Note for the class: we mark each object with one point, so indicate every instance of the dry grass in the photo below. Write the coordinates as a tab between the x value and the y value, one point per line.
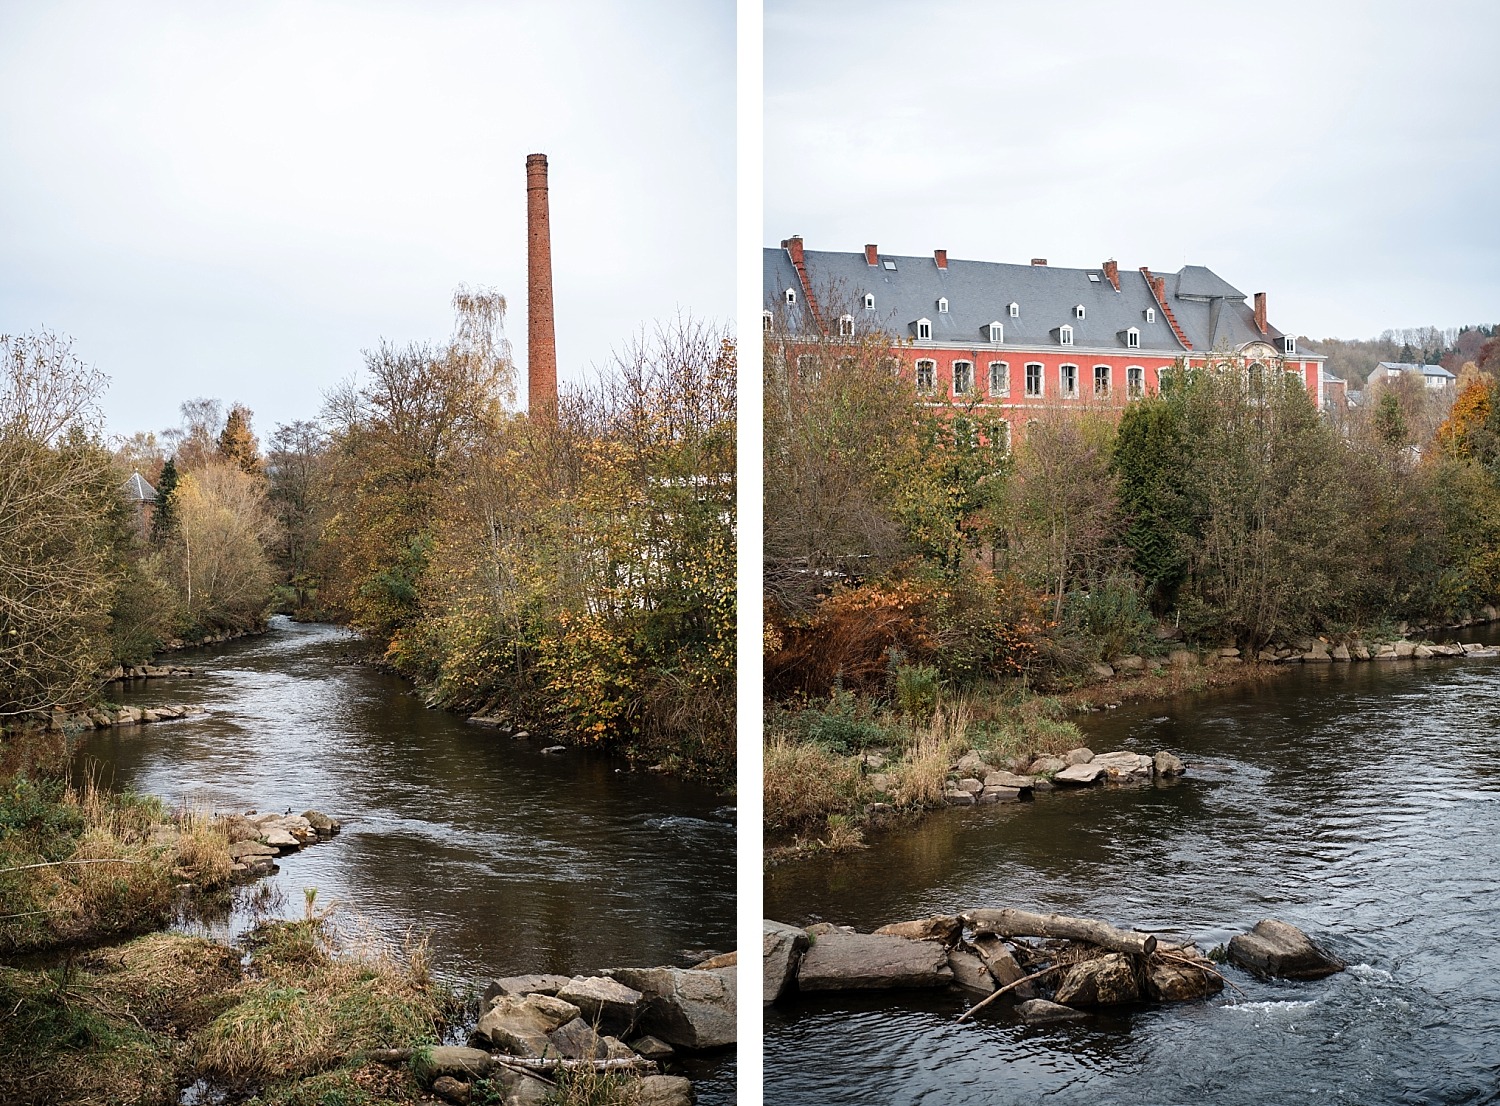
804	784
923	771
308	1006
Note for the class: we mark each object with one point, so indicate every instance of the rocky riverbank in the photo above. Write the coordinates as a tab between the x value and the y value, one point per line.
1049	967
631	1023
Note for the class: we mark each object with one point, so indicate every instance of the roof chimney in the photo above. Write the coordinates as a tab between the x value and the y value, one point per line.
1159	286
941	257
541	337
1112	271
1260	312
871	255
793	246
1039	261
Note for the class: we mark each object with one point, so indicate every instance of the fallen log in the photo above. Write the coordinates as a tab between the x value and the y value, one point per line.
1023	923
531	1063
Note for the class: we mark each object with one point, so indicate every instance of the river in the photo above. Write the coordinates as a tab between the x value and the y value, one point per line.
508	860
1359	802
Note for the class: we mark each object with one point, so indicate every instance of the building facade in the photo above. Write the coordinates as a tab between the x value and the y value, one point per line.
1018	339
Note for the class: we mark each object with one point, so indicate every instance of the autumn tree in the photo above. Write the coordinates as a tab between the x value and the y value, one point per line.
395	440
56	484
218	554
237	444
295	465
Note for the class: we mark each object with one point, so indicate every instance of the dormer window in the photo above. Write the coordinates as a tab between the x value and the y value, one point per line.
791	296
1151	314
846	326
1065	335
869	301
1133	338
924	330
1015	310
765	321
1078	311
943	305
996	333
1288	344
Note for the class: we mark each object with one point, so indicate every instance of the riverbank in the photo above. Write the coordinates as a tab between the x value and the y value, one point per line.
295	1011
835	772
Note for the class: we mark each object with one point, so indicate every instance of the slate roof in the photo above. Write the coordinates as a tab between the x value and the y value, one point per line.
1393	367
1212	312
136	488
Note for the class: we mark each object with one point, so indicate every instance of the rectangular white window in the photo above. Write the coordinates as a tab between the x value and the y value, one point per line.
1033	380
924	330
846	326
1101	380
926	376
999	378
1133	338
1068	381
963	377
1065	336
1135	381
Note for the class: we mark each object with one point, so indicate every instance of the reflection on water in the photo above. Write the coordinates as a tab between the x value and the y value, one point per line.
1360	802
509	860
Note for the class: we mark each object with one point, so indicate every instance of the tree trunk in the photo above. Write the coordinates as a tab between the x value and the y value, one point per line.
1023	923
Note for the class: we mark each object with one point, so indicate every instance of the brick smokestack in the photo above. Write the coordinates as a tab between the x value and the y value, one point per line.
872	255
941	257
1112	272
541	336
793	247
1260	312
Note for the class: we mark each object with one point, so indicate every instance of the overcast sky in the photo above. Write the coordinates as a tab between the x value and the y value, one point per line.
1342	157
233	200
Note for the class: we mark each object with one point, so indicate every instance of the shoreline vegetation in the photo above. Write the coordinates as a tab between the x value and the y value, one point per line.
839	769
942	584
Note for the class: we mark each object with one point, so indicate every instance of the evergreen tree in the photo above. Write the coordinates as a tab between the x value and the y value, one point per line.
164	516
237	444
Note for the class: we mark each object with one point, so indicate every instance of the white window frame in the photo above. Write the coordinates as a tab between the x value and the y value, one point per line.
1151	314
1109	383
942	305
1065	335
1041	380
846	326
1015	310
891	365
1062	381
1135	381
765	322
1004	377
807	369
924	330
1288	344
1133	338
1002	430
968	365
790	296
1078	311
869	301
997	333
931	366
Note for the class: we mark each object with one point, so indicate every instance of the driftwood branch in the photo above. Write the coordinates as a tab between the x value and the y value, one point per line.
532	1065
1023	923
978	1006
61	863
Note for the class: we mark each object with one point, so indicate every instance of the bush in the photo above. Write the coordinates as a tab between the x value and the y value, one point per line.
1113	618
917	689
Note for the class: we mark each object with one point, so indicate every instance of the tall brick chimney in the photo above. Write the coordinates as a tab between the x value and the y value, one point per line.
1260	312
1112	272
793	247
941	257
872	254
541	336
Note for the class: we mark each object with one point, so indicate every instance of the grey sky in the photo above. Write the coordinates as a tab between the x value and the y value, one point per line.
1341	157
234	200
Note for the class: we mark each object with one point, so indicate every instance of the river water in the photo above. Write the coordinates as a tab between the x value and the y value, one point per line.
1359	802
507	859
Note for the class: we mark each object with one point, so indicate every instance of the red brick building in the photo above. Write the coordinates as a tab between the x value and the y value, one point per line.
1017	339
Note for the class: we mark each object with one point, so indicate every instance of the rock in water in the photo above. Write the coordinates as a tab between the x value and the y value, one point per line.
1274	948
782	948
1103	981
1038	1011
969	972
866	962
607	1003
1172	981
520	1026
686	1007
